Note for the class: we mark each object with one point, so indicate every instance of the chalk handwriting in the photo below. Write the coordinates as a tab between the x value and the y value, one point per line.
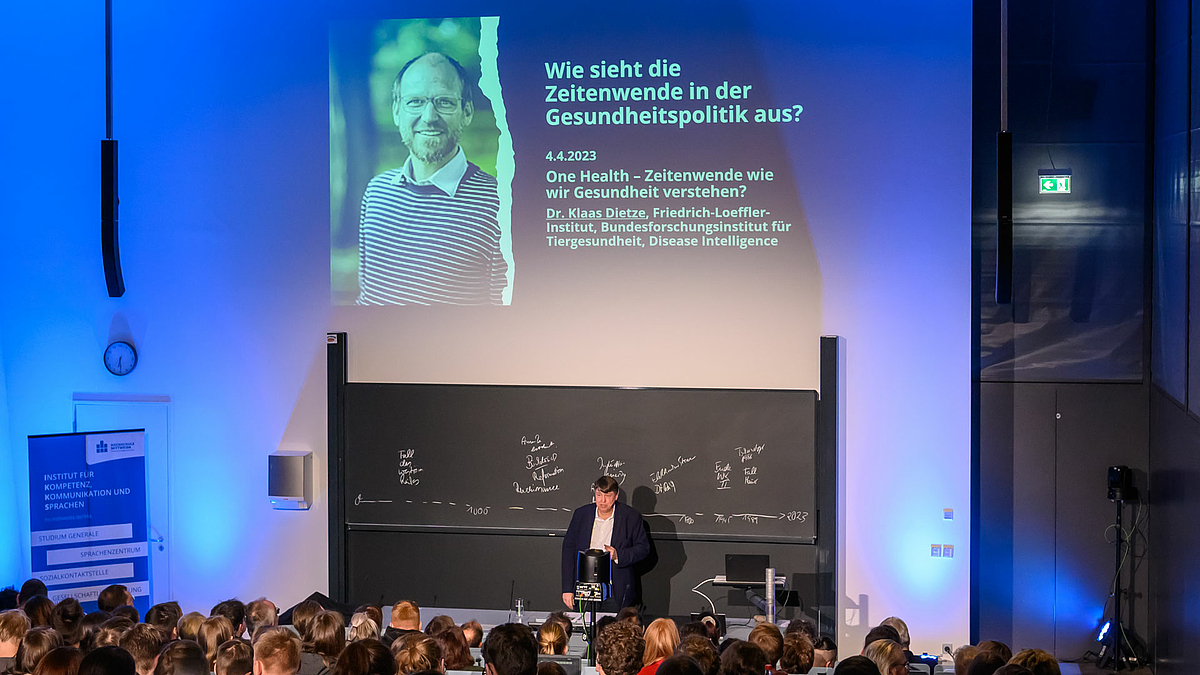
531	489
540	475
538	461
721	470
612	468
747	454
661	473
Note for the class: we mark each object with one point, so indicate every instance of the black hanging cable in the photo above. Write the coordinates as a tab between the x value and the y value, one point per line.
108	69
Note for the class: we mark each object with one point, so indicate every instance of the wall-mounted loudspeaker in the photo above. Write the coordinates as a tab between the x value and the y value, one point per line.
290	479
1120	484
109	246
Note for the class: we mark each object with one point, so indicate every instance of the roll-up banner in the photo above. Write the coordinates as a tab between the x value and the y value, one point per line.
87	514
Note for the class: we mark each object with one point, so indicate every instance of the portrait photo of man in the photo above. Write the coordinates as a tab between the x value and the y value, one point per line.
430	229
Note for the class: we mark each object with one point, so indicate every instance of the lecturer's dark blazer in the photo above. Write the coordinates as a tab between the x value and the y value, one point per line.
628	537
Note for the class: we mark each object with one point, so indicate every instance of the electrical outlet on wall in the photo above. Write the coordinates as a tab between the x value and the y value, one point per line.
947	648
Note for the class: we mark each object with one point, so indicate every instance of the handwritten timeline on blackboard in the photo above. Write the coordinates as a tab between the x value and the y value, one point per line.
695	462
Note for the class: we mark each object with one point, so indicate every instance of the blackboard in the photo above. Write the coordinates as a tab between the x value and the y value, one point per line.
698	463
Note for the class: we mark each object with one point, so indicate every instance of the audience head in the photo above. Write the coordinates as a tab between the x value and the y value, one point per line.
39	609
962	658
797	653
983	663
714	626
165	616
1038	661
10	598
262	612
889	656
108	660
113	597
415	653
234	657
693	628
30	589
143	642
562	620
631	615
455	652
182	657
302	615
372	611
189	625
438	624
703	651
824	652
856	665
67	619
550	668
129	612
679	665
90	625
235	611
1013	669
59	661
769	639
901	629
997	647
743	658
326	636
803	626
406	615
880	633
365	657
602	623
662	637
619	649
473	631
109	633
37	643
510	649
214	631
13	626
362	626
551	639
277	652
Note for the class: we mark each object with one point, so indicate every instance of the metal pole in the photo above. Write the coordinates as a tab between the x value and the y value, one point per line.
1116	629
770	594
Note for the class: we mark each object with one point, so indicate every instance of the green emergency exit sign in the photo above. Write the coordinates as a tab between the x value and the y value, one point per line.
1054	182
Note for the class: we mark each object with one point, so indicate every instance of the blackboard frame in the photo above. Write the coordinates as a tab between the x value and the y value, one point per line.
822	554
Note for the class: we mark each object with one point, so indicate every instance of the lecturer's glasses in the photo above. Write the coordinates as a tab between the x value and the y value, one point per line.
443	104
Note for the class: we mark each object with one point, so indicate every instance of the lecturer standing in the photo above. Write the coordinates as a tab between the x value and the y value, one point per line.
608	526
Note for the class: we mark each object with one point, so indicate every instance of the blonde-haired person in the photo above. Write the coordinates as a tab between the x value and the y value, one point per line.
552	639
888	656
189	625
362	626
13	626
662	638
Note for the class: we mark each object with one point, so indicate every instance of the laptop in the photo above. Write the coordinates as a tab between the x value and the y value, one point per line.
750	570
572	664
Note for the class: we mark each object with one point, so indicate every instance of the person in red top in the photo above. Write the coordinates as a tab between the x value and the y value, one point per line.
662	638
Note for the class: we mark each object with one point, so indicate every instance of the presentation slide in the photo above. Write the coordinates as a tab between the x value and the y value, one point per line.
525	161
